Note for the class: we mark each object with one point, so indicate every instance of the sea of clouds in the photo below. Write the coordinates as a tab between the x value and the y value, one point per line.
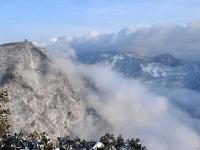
181	41
159	116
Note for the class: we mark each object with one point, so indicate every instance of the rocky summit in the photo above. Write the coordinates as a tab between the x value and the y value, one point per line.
43	99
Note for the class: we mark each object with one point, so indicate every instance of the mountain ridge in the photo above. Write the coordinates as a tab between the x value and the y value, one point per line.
162	69
43	97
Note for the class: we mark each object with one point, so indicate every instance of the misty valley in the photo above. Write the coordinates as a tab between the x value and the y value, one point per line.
61	96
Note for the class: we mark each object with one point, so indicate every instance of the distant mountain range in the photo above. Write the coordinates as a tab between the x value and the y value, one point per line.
164	69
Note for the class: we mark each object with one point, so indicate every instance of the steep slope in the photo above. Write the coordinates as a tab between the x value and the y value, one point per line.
43	98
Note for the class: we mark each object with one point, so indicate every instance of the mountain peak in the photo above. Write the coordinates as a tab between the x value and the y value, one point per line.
167	59
37	90
24	56
22	47
22	43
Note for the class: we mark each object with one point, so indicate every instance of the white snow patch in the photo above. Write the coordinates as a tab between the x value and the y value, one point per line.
154	70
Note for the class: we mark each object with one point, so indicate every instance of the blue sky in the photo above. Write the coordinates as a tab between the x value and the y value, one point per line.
42	19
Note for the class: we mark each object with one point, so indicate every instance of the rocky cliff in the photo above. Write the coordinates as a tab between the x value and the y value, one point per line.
43	99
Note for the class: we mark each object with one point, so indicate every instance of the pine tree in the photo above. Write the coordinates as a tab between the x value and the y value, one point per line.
5	125
120	144
40	141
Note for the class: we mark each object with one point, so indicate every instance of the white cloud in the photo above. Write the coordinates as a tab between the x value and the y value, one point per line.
182	41
39	44
53	40
127	107
93	34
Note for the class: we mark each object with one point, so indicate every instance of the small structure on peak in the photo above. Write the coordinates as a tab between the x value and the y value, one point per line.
25	40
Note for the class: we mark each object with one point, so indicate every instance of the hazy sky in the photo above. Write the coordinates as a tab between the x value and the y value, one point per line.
42	19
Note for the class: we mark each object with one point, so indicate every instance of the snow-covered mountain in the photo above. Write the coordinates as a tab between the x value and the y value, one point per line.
164	69
87	100
43	98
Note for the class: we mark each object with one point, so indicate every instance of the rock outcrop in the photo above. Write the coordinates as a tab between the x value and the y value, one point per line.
43	98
